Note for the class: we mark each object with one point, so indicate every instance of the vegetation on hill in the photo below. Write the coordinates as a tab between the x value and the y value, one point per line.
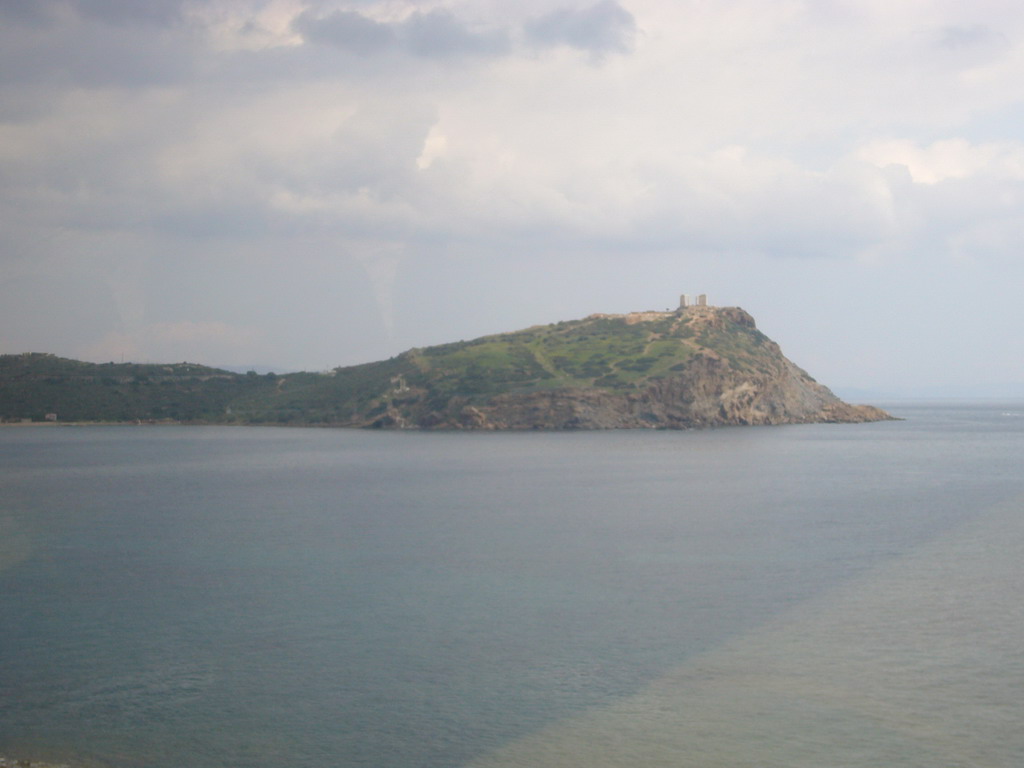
33	385
604	370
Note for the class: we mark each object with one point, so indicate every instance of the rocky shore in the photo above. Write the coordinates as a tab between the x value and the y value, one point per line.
6	762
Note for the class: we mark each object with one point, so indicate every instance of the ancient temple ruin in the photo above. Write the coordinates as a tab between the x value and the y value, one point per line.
686	300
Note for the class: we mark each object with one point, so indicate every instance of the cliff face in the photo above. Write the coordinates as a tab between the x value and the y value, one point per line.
707	394
730	375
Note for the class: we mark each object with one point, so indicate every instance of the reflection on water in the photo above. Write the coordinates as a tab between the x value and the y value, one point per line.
918	663
240	598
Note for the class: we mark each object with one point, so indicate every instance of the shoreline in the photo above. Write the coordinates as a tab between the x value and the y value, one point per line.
31	424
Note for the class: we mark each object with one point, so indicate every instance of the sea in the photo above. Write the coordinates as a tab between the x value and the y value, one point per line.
812	596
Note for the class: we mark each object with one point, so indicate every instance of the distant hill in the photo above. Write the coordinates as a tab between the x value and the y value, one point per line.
699	366
33	385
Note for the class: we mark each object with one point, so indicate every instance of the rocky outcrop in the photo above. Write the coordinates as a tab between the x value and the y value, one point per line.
708	393
697	367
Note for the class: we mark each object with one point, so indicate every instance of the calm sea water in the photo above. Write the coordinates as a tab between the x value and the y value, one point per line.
764	597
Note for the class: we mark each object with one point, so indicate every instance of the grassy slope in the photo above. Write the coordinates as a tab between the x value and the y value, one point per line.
603	352
606	352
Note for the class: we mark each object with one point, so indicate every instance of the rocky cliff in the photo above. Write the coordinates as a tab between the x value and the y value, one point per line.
699	367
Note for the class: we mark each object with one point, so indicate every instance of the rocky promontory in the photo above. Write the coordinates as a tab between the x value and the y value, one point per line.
699	366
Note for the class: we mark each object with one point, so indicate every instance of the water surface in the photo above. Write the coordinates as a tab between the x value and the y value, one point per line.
759	596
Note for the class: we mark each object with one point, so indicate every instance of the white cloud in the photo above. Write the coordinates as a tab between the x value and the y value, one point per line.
856	131
244	25
434	146
601	28
948	159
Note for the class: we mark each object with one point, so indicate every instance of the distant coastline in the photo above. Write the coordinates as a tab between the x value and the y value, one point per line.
695	367
6	762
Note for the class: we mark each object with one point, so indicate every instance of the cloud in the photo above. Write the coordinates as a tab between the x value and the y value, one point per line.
651	155
353	150
439	34
348	30
436	34
970	36
121	12
63	50
947	159
605	27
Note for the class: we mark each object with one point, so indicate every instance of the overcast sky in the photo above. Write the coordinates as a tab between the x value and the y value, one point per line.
302	184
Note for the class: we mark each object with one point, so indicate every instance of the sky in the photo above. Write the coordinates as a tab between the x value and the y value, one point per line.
303	184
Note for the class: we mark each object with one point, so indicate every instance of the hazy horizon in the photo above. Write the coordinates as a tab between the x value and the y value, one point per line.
302	184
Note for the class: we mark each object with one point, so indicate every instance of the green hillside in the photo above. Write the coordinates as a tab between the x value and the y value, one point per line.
616	362
33	385
614	353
